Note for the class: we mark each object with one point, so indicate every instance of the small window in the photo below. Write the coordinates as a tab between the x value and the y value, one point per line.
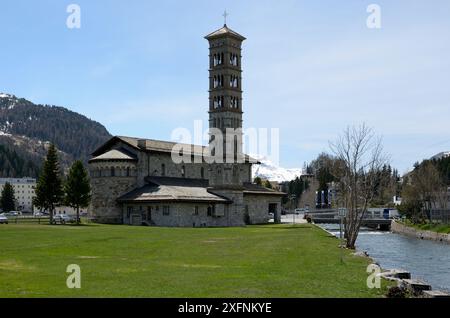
128	171
211	210
113	172
166	210
202	173
163	170
183	171
129	211
196	210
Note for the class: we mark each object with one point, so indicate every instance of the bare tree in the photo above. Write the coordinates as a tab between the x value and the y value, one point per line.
425	186
360	157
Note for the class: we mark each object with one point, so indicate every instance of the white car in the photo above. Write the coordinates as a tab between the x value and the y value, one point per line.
3	219
11	213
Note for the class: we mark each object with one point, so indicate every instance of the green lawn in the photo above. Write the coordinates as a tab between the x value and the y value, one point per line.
125	261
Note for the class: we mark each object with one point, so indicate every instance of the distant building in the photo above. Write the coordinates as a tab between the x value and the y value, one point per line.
24	191
397	200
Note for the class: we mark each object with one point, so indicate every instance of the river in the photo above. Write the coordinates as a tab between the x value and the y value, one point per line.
426	260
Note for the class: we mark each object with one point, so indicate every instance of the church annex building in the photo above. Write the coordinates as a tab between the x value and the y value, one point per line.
135	181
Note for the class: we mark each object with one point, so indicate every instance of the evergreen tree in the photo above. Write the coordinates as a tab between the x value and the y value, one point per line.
7	200
258	181
49	190
77	188
267	184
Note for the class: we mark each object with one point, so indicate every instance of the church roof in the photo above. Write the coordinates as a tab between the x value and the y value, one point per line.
224	31
161	145
113	154
253	188
157	146
168	189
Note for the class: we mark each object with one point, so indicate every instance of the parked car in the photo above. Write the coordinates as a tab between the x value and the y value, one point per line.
63	219
3	219
37	214
11	213
271	215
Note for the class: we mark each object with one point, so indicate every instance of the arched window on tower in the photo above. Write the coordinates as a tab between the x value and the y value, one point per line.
183	171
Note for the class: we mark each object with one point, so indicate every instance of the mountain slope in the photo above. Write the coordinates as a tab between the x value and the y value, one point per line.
28	129
268	170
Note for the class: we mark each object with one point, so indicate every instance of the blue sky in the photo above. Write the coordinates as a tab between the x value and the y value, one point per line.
310	67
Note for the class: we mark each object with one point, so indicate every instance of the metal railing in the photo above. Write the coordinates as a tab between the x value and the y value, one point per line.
442	216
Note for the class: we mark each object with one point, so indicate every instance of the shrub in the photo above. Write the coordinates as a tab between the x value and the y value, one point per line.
397	292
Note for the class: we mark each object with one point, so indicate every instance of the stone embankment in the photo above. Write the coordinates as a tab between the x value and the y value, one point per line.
417	288
420	234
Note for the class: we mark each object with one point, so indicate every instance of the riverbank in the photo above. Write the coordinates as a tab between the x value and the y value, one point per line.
399	228
426	260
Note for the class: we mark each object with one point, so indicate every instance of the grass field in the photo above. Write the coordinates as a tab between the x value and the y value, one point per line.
125	261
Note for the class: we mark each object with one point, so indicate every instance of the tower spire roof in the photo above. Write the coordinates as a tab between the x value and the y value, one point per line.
224	31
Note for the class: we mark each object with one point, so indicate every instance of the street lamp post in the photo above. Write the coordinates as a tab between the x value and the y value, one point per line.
342	213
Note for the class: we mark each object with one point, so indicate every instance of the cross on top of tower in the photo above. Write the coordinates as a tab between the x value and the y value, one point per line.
225	15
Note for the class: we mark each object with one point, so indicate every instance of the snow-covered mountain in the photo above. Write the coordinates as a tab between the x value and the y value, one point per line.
441	155
268	170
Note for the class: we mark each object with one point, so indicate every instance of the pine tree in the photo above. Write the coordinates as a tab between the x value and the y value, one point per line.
267	184
49	190
77	188
7	200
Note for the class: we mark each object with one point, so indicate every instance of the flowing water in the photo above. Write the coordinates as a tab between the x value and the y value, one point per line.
426	260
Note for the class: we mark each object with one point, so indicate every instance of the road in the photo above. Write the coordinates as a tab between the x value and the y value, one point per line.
289	218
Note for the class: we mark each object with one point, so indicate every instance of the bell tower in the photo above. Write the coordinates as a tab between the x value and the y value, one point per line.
225	116
225	86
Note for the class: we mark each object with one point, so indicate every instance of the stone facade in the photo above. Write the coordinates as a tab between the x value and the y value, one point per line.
258	206
106	188
181	215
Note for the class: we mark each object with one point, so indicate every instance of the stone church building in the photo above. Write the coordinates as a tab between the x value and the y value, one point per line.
136	181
